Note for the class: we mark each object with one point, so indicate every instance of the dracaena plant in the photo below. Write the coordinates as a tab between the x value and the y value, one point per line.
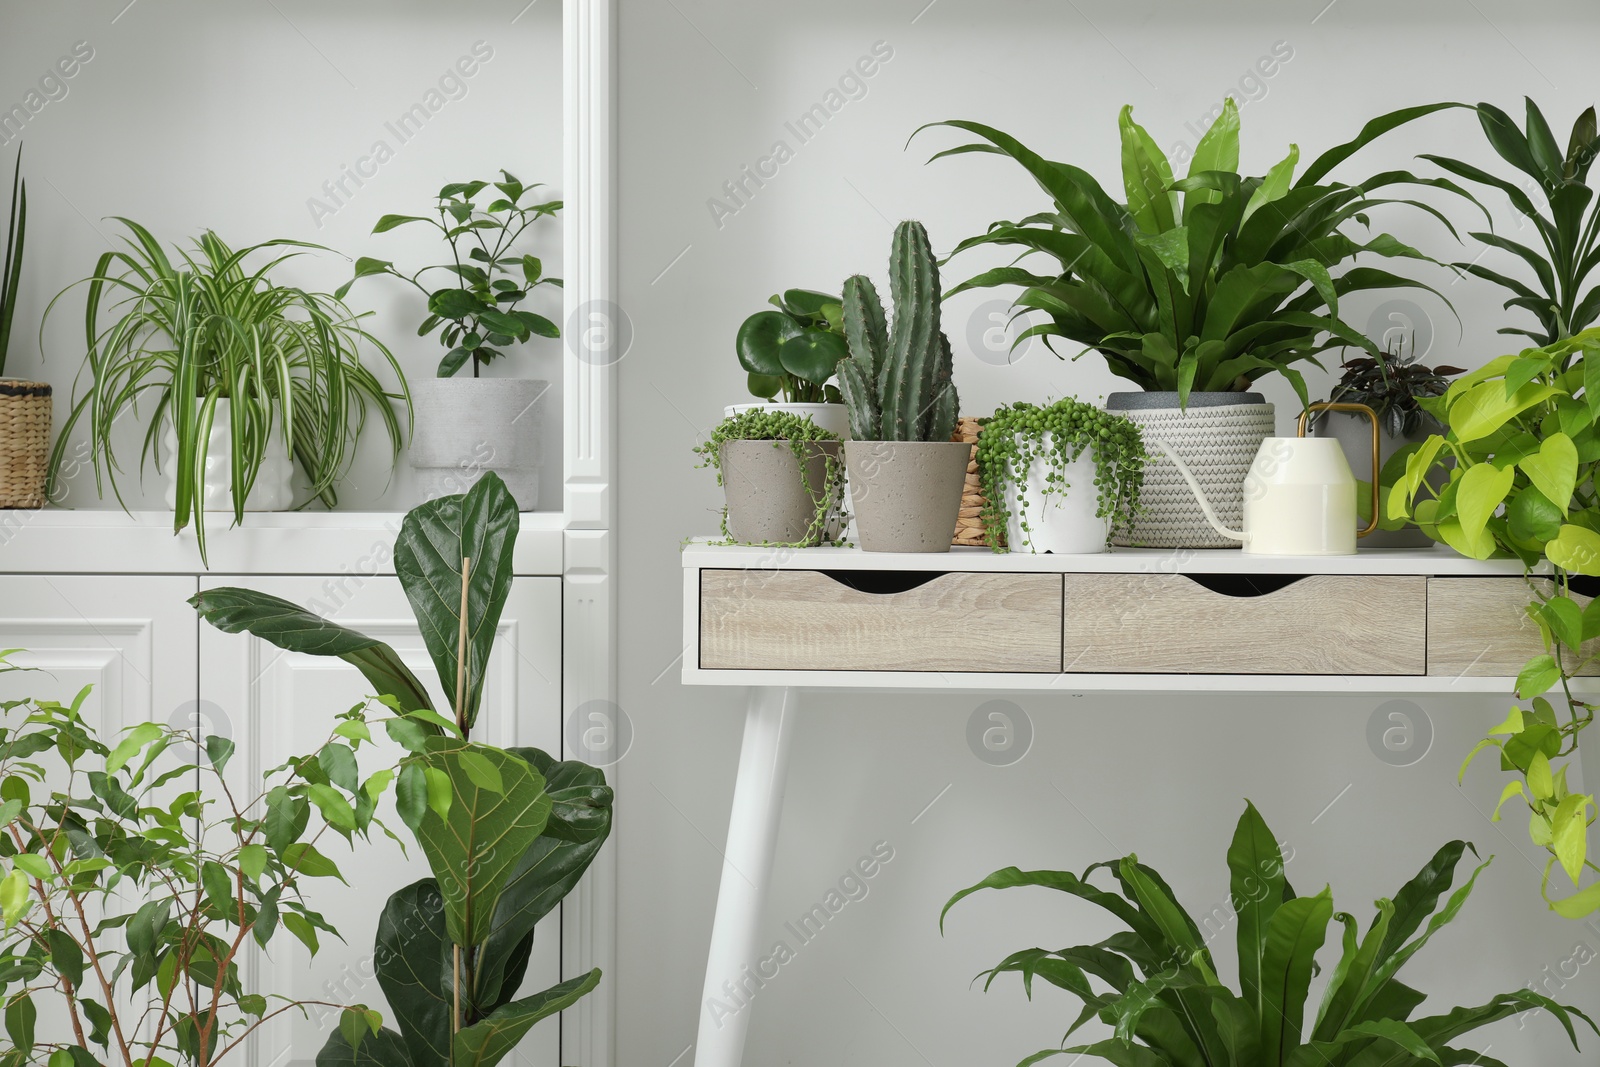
506	832
136	879
1522	444
1156	982
1207	282
794	351
11	265
480	314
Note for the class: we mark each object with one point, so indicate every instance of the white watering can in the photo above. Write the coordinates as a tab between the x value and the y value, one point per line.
1299	497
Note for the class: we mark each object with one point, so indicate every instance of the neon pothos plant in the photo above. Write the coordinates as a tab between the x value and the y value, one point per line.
136	879
1206	282
506	832
1523	435
1157	985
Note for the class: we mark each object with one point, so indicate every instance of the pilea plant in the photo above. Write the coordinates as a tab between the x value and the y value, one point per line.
1015	436
1522	435
801	436
793	352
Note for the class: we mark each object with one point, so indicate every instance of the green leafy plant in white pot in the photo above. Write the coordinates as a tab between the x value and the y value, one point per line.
782	478
469	425
1057	479
791	355
250	380
906	475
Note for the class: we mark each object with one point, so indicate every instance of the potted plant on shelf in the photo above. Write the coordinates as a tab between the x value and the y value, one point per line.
1522	455
1057	478
782	478
250	378
466	426
1390	383
1157	985
793	353
1193	289
906	474
24	406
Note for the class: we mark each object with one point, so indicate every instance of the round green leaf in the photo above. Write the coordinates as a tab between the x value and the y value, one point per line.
759	340
813	355
765	386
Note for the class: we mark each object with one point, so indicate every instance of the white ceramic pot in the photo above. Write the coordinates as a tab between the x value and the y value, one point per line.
1061	521
466	426
831	417
274	485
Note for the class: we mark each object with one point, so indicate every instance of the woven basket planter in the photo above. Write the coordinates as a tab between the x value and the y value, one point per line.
969	520
24	443
1218	437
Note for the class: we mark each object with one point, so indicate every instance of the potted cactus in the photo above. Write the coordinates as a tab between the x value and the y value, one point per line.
905	473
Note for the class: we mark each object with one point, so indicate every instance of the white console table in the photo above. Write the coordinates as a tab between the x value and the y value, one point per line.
1133	620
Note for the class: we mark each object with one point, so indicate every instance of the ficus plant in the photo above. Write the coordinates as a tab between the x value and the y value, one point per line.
479	314
1155	984
135	881
1522	447
506	832
794	351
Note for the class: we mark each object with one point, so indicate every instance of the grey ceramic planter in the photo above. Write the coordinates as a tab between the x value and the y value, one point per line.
1354	435
906	494
770	498
466	426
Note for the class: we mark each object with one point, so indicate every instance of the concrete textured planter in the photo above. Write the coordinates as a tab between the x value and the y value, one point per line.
274	486
905	494
831	417
771	498
466	426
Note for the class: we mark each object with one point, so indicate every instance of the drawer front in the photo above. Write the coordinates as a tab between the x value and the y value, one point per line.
809	621
1172	624
1479	628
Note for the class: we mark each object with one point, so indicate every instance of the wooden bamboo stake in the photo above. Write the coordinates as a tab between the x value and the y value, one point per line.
461	724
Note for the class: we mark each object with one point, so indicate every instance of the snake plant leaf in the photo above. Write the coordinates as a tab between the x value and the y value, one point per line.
1294	935
1255	865
382	1049
294	629
434	538
474	848
486	1042
412	955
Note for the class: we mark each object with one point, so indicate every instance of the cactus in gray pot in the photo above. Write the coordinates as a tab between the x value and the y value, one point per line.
896	383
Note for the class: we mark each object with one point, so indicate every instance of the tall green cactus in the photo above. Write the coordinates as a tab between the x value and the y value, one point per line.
896	383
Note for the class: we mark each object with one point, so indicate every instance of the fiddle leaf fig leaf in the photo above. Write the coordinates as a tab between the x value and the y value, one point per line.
487	1042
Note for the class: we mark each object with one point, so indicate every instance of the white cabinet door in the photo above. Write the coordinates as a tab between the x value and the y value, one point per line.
277	705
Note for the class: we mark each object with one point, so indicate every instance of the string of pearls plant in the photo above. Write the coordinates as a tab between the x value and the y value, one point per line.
1015	436
801	435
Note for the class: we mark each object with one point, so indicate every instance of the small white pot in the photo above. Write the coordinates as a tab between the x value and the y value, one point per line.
831	417
1062	522
466	426
274	485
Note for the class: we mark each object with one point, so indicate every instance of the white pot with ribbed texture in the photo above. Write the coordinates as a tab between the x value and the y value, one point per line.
274	485
466	426
1217	436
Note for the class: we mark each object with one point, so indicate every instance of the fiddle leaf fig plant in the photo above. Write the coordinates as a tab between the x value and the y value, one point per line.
794	351
1156	982
1524	440
507	832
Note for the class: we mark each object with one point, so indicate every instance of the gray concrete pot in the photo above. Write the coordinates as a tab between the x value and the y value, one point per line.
771	499
906	494
466	426
1354	435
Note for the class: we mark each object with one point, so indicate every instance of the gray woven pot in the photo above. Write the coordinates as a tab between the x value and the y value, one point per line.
1217	436
770	498
906	494
466	426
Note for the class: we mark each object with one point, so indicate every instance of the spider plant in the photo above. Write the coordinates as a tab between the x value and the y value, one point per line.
11	266
191	330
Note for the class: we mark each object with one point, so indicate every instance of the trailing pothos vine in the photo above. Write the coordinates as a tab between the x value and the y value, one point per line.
802	436
1018	435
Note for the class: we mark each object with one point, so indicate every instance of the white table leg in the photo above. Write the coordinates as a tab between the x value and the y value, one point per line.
731	981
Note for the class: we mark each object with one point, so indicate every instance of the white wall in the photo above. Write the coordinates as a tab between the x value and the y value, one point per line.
707	88
194	115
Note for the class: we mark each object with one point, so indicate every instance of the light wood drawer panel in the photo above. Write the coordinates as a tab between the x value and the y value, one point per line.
1479	628
808	621
1171	624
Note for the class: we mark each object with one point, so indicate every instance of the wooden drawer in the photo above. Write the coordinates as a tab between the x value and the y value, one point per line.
1176	624
1479	627
841	621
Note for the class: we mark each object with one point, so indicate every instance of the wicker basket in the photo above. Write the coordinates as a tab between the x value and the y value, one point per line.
969	521
24	443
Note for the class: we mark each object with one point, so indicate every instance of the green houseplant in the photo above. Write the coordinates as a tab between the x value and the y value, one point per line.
244	374
11	265
479	311
136	880
791	354
906	474
1523	450
1156	983
25	407
782	478
1056	478
1194	288
506	832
